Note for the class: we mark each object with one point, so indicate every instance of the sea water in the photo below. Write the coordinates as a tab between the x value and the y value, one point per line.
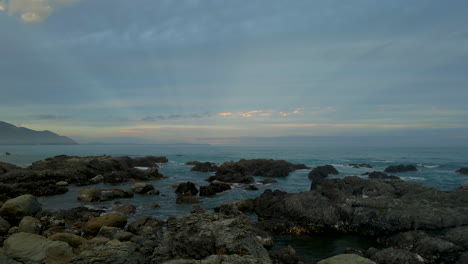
436	168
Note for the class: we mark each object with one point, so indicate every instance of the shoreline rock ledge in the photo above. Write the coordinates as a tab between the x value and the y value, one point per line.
426	221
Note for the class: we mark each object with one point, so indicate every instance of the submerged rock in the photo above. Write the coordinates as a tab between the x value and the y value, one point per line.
360	165
463	171
400	168
380	175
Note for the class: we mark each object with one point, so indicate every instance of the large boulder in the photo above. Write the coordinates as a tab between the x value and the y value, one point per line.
202	234
111	220
202	166
214	188
321	172
463	171
186	189
24	205
73	240
30	225
33	249
142	188
112	252
347	259
400	168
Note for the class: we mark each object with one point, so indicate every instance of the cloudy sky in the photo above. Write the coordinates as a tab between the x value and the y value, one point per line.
208	71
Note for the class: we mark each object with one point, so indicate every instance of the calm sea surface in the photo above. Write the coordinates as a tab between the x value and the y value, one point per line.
436	168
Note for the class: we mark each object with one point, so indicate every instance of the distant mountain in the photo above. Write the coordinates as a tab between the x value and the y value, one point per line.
12	135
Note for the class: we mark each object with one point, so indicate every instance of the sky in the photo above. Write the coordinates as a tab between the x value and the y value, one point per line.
215	71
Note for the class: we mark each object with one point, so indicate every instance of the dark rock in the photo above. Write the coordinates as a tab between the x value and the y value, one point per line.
380	175
111	220
203	166
372	207
361	165
125	209
4	226
429	246
268	181
113	252
284	256
251	188
400	168
187	200
214	188
114	233
321	172
148	234
243	170
201	234
463	171
6	167
186	189
101	195
142	188
246	205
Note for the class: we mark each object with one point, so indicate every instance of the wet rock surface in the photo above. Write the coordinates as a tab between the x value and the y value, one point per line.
400	168
383	209
203	166
41	178
243	170
202	234
463	171
214	188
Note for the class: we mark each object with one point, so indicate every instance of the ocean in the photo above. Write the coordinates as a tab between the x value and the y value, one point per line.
436	168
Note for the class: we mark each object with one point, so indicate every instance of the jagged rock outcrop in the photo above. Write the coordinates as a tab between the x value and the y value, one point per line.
372	207
243	170
202	234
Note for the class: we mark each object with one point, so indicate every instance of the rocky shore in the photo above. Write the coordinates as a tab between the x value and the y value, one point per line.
412	223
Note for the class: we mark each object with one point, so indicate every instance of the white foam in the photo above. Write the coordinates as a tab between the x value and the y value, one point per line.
428	166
